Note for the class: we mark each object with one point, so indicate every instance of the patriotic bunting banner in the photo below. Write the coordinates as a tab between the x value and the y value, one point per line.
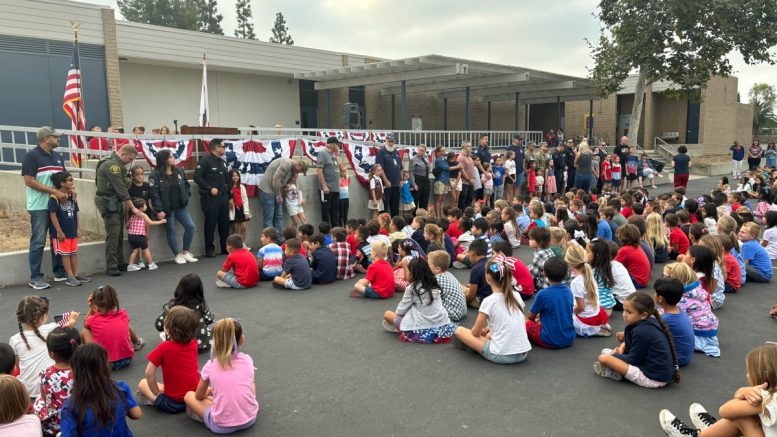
375	137
311	148
362	158
251	158
337	133
181	150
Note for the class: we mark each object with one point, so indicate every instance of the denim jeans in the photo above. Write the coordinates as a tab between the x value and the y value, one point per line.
185	219
41	226
272	212
583	182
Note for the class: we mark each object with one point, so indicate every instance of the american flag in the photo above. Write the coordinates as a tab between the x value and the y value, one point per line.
74	106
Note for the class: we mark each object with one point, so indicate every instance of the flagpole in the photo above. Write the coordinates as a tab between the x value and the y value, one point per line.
78	113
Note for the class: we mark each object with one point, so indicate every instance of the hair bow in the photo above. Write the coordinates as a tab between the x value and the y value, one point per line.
580	235
499	264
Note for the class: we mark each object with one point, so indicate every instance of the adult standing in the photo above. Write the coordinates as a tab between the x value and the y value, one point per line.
419	177
569	151
623	150
559	162
467	175
170	193
520	168
211	176
388	158
681	163
583	160
481	155
111	198
737	156
328	173
442	178
276	176
754	154
38	165
771	155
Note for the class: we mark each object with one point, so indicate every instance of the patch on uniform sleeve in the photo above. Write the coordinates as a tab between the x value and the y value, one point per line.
115	169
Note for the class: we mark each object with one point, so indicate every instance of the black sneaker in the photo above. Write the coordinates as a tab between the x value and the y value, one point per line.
700	417
674	427
113	272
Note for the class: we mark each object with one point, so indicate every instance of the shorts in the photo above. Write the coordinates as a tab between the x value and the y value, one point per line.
534	331
637	377
291	285
230	279
458	185
168	404
371	293
616	182
137	242
121	364
294	209
488	191
632	177
502	359
648	173
207	419
372	205
441	188
68	246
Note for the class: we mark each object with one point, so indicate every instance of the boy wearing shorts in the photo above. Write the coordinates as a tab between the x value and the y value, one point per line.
239	270
64	218
379	281
269	259
296	273
549	321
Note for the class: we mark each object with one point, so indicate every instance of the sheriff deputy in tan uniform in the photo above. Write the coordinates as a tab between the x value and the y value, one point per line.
112	197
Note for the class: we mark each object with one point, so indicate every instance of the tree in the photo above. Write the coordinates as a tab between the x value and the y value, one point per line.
280	32
199	15
245	25
763	98
682	41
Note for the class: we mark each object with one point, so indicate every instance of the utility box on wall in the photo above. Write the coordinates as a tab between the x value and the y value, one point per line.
351	115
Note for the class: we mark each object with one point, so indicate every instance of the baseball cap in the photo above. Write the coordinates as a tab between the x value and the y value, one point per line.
332	140
47	131
389	137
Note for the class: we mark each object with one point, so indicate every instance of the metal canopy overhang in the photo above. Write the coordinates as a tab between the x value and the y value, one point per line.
451	77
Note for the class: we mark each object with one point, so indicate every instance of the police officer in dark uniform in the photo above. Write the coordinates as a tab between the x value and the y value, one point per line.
112	182
215	196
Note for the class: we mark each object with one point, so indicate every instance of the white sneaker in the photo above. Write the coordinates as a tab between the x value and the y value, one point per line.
153	266
133	268
180	259
459	265
674	427
606	372
189	257
700	418
389	327
222	284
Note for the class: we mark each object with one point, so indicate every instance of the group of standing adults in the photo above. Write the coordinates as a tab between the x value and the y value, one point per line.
755	154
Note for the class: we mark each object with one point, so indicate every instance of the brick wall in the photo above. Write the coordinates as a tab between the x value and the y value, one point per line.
605	118
671	115
718	118
112	74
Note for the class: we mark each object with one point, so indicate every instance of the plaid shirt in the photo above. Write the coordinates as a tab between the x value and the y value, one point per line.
343	254
136	225
537	268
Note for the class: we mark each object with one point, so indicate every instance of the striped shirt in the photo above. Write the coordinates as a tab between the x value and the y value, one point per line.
272	259
40	165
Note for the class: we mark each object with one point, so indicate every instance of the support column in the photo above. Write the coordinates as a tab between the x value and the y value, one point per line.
558	112
466	109
445	113
526	119
489	115
393	111
112	71
404	105
591	121
517	111
329	109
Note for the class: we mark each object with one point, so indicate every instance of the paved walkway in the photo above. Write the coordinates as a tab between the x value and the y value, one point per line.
326	367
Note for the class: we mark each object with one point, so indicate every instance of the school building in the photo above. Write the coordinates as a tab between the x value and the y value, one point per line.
138	74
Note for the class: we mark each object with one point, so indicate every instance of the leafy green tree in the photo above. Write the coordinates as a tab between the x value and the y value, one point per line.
682	41
210	18
199	15
280	32
245	25
763	98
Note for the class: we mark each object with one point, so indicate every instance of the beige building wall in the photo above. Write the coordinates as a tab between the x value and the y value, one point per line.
722	119
605	118
671	115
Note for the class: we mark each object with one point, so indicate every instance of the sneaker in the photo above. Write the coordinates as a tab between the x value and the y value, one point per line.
459	265
38	285
142	263
700	418
60	278
222	284
189	257
153	266
83	279
674	427
180	259
142	400
355	293
139	345
389	327
133	268
72	282
606	372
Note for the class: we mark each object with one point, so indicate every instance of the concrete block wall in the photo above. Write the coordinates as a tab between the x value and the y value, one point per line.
722	119
605	118
112	73
671	115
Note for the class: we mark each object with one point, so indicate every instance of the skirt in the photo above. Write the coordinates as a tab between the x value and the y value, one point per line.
438	335
550	184
586	327
240	216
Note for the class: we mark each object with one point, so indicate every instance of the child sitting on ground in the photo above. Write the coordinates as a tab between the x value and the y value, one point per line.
463	242
342	252
678	241
239	269
322	261
305	232
452	295
56	382
397	224
178	358
505	341
15	404
324	228
590	318
647	357
523	282
379	281
598	256
477	289
668	292
549	321
296	274
733	272
757	261
420	316
225	399
695	303
190	293
360	259
8	361
269	258
108	325
137	236
539	240
632	256
406	252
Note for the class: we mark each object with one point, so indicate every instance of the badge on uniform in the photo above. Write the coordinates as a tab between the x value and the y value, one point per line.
115	169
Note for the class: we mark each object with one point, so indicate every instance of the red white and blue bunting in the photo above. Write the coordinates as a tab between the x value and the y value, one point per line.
362	159
181	150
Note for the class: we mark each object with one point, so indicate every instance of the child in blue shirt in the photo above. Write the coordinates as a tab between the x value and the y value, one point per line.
408	203
269	258
477	289
296	269
669	291
322	261
758	264
324	228
64	220
498	172
553	306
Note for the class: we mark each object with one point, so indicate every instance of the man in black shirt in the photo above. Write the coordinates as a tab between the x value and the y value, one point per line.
569	154
622	150
559	163
215	196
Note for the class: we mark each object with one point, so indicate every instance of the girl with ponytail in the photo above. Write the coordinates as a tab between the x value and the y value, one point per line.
499	333
225	399
590	318
647	357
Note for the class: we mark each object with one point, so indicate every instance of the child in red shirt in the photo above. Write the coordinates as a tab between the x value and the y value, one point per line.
632	256
109	326
350	228
523	278
678	241
606	174
531	178
626	202
178	358
733	272
454	217
245	273
379	281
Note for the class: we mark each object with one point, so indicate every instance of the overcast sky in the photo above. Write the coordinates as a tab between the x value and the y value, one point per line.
544	35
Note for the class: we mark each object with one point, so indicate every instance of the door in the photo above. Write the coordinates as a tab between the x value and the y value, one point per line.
692	130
